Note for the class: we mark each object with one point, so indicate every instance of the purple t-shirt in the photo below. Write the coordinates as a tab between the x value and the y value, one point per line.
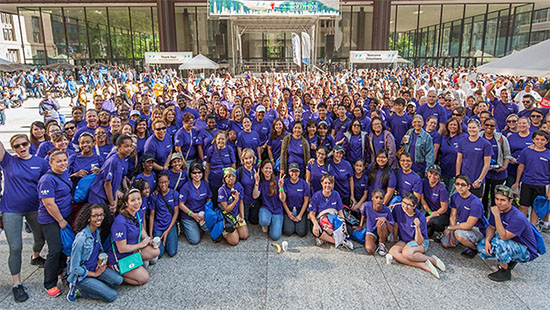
263	129
466	207
354	149
371	215
408	183
296	152
159	149
194	198
275	146
188	142
360	185
406	226
56	186
163	215
317	171
502	110
123	229
78	162
20	183
448	150
249	140
224	195
219	159
434	196
398	125
438	111
515	222
91	263
174	177
378	142
246	179
377	182
537	167
295	193
341	172
272	203
113	170
319	202
472	156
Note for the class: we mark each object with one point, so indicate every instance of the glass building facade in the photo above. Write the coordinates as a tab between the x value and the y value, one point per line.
438	34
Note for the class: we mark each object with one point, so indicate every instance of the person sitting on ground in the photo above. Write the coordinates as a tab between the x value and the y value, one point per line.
510	237
379	221
412	237
466	223
91	277
435	201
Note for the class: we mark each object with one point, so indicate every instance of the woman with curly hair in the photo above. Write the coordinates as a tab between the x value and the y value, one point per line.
87	272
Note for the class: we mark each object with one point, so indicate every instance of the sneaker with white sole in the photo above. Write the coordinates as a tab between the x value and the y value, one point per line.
433	270
319	242
348	244
382	250
265	229
439	263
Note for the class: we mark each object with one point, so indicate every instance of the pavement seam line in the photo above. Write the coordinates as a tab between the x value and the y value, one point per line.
387	282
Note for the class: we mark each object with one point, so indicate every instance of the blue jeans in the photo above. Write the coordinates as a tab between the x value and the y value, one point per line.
102	287
192	230
273	221
171	242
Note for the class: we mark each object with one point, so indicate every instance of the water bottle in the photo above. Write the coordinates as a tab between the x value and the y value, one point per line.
294	211
202	222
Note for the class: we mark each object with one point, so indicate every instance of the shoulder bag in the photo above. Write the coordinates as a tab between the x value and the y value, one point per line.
130	262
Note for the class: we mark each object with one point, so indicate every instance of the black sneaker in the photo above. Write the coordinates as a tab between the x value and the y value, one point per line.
19	294
27	228
469	253
39	261
501	275
511	265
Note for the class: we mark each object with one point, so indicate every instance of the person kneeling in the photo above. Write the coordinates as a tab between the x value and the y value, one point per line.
412	233
164	215
467	223
510	236
231	202
89	276
379	223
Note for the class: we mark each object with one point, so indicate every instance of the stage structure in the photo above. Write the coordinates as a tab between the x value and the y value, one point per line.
298	17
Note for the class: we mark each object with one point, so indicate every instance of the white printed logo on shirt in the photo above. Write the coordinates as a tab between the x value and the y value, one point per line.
35	168
119	234
477	149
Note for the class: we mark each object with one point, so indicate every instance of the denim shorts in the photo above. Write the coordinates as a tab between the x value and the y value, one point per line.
425	244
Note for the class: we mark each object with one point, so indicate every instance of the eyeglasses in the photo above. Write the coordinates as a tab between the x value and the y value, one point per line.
160	128
526	101
96	216
356	125
490	125
70	128
512	121
24	144
196	172
410	205
536	116
457	114
460	184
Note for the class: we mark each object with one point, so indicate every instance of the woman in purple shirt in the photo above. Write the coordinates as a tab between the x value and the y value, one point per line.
449	148
380	223
381	176
271	189
21	174
412	237
195	194
54	213
316	168
159	145
245	176
296	202
231	202
163	216
435	201
518	141
218	157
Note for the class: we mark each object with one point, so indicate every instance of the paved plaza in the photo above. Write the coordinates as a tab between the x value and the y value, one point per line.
253	276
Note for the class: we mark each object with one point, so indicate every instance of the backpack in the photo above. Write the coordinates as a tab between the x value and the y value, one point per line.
541	247
83	188
67	239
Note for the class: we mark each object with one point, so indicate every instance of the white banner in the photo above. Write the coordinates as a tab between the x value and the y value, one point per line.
373	56
167	57
306	48
296	47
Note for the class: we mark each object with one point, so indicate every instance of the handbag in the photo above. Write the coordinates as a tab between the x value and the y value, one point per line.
229	221
130	262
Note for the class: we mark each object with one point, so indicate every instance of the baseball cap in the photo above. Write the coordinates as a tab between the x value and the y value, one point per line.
338	148
134	112
293	166
147	157
260	108
176	156
434	168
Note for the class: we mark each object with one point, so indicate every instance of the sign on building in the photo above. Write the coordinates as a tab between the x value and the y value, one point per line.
167	57
363	57
227	8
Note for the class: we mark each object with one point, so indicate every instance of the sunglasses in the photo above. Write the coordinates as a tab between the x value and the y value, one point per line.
457	114
70	128
512	121
196	172
536	116
490	125
160	128
24	144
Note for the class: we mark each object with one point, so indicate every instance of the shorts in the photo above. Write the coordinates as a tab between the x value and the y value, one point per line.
473	235
505	251
425	244
529	192
375	234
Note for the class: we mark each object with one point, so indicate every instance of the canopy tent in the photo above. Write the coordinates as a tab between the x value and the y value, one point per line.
5	62
199	62
531	61
402	60
60	66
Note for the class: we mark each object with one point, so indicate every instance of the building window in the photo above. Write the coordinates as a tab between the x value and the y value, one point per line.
5	18
36	35
8	34
13	55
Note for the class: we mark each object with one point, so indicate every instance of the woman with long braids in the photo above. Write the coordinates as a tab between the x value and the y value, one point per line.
86	272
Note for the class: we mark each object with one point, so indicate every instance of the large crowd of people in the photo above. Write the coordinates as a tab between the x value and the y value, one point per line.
388	158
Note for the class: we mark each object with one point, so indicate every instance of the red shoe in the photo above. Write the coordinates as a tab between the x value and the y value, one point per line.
54	291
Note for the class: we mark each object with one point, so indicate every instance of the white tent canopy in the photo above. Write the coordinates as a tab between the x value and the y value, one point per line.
199	62
531	61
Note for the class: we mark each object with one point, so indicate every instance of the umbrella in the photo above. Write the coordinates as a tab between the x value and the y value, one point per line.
60	66
199	62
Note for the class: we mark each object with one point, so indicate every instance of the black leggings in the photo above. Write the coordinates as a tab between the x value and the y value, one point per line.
56	260
290	227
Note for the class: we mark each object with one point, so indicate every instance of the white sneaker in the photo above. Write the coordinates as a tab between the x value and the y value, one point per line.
348	244
154	261
439	263
381	250
265	229
545	227
433	270
319	242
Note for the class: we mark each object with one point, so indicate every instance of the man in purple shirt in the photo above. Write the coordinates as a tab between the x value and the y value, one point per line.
510	237
432	108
